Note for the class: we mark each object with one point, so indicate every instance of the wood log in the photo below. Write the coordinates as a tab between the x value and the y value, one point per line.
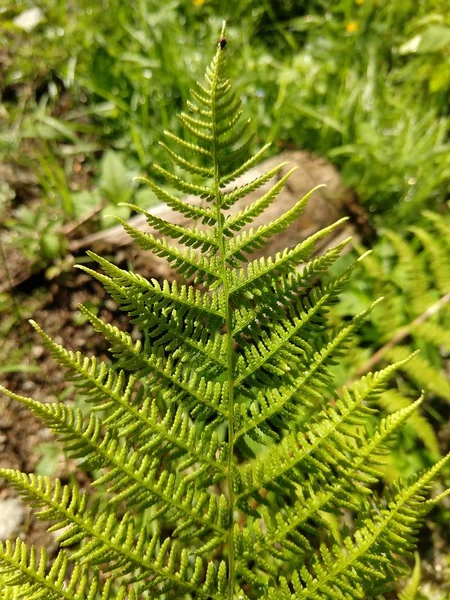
326	206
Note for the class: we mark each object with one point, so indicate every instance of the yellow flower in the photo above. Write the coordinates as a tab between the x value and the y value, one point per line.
198	2
351	26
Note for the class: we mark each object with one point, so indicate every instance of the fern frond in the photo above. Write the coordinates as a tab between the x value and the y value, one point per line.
284	533
281	291
233	137
274	404
393	400
367	560
434	333
226	116
187	262
192	236
391	311
29	573
224	107
185	300
203	98
441	225
421	372
246	166
260	271
198	123
237	221
109	388
188	146
229	159
188	188
230	198
184	383
195	127
416	280
438	259
279	350
414	315
180	161
220	452
133	410
250	241
121	545
189	210
131	475
411	589
283	464
141	487
170	328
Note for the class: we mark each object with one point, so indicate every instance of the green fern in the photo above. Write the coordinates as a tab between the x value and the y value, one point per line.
221	464
411	589
412	273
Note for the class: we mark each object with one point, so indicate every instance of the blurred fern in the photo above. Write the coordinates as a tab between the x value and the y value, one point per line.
412	273
221	464
410	591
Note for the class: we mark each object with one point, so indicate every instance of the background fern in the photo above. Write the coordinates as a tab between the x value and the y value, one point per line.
223	464
412	273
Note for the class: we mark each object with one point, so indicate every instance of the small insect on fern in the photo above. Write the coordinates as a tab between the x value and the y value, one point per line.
222	468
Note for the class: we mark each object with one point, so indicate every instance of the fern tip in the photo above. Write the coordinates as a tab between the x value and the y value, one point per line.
376	302
437	498
419	400
141	177
364	255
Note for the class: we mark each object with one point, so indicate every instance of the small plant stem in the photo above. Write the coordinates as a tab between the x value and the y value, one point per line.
401	334
228	325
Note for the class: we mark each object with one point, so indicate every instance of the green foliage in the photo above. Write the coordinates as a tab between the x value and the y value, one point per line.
410	591
221	464
37	234
364	83
38	230
412	273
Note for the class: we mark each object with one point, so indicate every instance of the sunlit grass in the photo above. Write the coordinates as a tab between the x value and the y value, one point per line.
341	79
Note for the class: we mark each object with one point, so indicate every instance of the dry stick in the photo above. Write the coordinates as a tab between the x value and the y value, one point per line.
400	335
72	226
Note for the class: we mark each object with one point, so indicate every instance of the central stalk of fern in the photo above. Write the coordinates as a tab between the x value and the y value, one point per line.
228	321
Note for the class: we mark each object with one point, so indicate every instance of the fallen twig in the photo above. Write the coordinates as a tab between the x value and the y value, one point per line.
72	226
400	335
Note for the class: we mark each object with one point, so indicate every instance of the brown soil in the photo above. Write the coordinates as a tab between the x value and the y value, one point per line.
21	434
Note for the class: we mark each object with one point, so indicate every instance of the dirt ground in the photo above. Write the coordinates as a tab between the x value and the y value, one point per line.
21	434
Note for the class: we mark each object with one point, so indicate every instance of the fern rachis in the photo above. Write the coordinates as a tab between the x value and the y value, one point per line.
221	462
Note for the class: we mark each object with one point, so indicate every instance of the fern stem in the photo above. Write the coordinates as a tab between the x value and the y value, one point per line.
228	324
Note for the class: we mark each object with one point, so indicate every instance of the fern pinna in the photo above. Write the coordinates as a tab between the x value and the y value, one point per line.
222	469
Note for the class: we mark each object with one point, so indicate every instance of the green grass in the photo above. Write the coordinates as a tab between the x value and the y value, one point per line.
364	83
